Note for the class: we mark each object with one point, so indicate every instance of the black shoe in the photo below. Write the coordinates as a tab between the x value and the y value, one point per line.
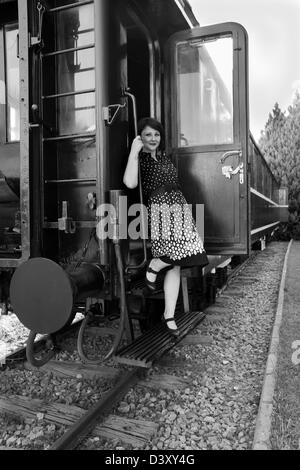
170	330
151	284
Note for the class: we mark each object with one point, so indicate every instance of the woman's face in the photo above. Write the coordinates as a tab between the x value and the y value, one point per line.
151	139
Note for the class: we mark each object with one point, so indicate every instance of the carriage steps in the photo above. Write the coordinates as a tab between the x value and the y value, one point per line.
149	347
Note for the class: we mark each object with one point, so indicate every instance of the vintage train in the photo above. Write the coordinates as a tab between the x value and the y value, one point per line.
74	78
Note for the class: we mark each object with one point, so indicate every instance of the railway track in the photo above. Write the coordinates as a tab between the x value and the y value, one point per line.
19	355
131	412
81	422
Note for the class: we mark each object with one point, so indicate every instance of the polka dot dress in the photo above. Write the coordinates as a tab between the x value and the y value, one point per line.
174	236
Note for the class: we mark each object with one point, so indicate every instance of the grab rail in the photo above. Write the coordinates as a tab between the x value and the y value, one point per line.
143	263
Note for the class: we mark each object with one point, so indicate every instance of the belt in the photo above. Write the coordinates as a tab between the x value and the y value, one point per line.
166	188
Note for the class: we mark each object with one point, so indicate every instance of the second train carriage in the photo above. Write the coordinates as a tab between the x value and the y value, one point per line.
74	78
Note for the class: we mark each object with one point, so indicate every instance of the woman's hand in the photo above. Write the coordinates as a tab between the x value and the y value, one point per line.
131	173
137	145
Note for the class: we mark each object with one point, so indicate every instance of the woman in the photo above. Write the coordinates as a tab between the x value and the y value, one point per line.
175	241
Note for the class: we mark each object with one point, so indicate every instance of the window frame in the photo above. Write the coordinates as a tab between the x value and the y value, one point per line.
231	91
2	80
3	77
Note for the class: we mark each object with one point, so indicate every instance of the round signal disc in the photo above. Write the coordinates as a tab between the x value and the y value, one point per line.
41	295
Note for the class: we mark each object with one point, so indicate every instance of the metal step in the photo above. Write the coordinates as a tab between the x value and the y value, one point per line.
149	347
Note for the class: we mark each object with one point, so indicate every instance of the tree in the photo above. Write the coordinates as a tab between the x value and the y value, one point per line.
280	145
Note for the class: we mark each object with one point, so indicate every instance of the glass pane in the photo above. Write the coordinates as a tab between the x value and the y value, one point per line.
77	114
12	83
75	27
205	92
79	75
70	77
76	70
71	72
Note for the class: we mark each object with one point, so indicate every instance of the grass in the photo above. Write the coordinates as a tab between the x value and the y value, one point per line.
285	431
284	424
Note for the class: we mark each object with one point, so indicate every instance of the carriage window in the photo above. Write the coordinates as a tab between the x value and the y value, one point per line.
9	87
205	99
76	70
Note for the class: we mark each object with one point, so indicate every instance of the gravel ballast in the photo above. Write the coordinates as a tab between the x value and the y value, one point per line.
218	407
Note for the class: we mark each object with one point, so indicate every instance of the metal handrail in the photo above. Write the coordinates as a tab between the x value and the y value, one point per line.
87	135
69	6
67	51
143	263
75	180
69	93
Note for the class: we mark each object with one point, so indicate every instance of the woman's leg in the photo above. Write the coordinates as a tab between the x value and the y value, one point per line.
157	265
171	289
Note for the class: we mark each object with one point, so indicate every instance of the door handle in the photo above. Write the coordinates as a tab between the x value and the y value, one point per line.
231	153
131	97
228	172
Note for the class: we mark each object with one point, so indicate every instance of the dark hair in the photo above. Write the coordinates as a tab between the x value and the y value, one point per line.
151	122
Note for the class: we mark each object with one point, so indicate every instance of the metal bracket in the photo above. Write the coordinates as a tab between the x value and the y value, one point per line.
111	111
34	41
37	40
66	224
92	201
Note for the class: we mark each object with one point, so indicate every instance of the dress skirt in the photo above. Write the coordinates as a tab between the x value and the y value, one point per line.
173	232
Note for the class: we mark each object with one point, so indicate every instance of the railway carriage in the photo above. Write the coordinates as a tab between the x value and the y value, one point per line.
75	76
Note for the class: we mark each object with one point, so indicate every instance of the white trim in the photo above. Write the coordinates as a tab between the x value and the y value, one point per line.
252	190
178	3
260	229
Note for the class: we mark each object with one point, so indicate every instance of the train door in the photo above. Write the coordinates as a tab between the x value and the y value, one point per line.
142	78
63	128
207	123
142	69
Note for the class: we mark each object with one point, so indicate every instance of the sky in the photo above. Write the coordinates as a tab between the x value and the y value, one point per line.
273	28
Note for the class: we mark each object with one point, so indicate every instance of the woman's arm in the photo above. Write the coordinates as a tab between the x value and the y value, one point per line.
130	178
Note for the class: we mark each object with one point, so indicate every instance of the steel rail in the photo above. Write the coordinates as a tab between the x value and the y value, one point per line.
76	433
235	272
19	355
